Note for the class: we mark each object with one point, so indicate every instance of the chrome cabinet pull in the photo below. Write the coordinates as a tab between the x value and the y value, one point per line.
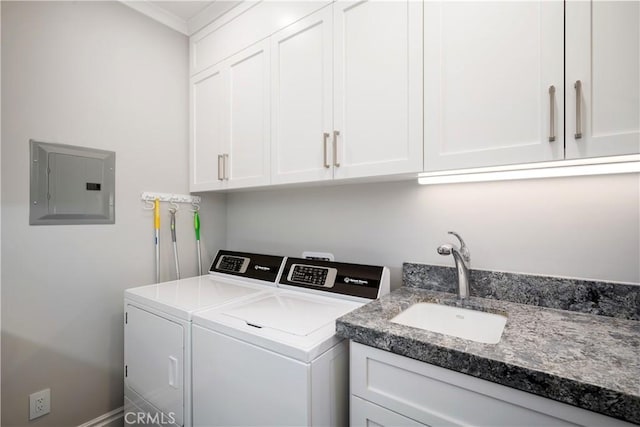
325	138
220	168
578	87
335	148
225	168
552	113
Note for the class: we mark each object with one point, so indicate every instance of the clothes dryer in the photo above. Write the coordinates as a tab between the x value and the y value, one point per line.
157	331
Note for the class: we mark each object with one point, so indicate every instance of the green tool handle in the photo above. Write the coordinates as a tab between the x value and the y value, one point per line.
196	224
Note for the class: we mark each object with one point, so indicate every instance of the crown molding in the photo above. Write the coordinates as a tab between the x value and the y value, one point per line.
212	12
158	14
203	18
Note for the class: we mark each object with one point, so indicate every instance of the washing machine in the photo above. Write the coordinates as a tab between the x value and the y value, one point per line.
274	358
157	333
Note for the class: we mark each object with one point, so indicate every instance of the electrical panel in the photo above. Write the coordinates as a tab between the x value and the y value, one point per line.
71	185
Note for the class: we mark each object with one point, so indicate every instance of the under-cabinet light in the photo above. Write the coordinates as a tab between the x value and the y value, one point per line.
564	168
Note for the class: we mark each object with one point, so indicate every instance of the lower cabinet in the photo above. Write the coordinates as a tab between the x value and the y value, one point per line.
389	389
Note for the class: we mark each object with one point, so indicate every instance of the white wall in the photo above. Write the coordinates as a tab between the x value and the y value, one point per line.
586	227
101	75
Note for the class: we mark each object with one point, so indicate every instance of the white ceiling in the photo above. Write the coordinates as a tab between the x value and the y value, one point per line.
186	16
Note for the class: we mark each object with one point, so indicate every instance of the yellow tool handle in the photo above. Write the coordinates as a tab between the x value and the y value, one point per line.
156	213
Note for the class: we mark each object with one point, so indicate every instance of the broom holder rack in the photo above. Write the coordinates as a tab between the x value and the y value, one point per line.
171	198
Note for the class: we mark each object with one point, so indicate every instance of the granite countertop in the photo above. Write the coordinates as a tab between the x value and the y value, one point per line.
585	360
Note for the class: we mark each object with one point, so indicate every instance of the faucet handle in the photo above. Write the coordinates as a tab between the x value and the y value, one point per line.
464	250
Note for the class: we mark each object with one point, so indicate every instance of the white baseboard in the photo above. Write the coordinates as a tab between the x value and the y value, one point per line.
105	419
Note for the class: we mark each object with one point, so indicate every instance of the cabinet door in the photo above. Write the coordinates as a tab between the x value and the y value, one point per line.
249	117
377	87
207	129
367	414
488	71
302	99
436	396
603	53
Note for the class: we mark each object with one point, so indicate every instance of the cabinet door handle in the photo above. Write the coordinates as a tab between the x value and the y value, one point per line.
552	113
225	168
335	148
220	168
578	87
325	138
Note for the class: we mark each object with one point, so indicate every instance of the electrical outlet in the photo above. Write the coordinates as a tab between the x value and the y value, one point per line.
39	403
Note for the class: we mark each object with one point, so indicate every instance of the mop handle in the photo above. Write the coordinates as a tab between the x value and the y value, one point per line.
196	227
173	226
173	239
156	214
156	225
196	224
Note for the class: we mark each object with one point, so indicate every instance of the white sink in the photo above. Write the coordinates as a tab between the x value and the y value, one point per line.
473	325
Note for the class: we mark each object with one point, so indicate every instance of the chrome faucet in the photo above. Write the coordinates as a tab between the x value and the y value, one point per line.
462	257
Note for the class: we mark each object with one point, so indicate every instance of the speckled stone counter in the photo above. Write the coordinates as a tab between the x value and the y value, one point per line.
585	360
586	296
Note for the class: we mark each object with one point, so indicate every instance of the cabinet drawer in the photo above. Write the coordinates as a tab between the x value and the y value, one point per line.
367	414
438	396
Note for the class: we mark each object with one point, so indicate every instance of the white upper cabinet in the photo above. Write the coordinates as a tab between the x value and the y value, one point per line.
603	54
247	156
347	84
493	83
377	88
302	100
242	26
489	67
334	95
230	122
349	90
208	128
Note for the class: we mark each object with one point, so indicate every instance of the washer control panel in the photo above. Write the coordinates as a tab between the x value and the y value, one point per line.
249	265
354	280
312	275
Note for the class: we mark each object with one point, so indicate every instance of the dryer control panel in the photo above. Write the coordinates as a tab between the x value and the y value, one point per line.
233	264
249	265
355	280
